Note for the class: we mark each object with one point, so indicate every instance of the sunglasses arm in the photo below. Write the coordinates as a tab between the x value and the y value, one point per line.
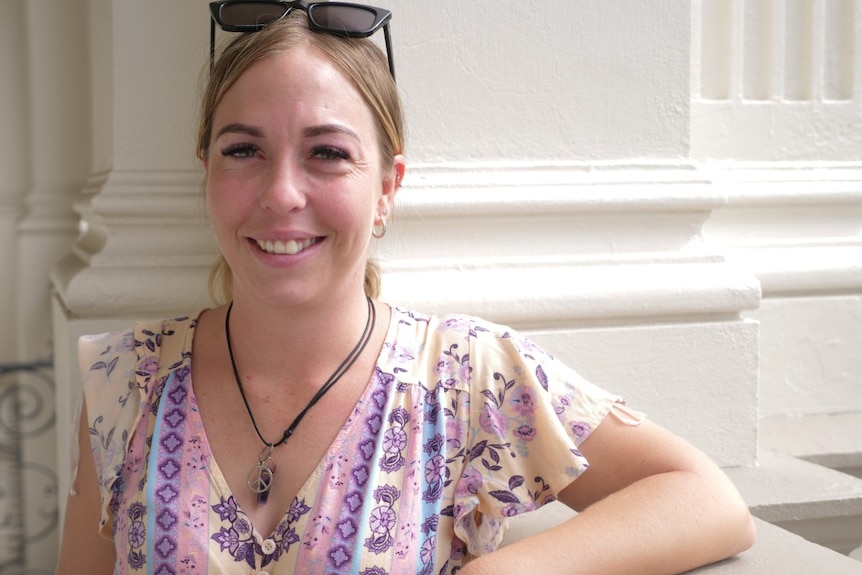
212	44
388	41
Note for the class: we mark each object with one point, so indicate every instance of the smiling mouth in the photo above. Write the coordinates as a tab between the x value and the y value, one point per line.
290	247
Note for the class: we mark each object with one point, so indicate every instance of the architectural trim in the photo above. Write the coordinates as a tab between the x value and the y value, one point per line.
596	243
797	228
561	244
132	223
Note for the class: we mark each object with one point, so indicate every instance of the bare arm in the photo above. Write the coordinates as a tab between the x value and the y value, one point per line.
650	504
83	550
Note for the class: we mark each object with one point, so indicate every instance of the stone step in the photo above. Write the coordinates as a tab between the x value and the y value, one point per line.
831	440
820	504
779	552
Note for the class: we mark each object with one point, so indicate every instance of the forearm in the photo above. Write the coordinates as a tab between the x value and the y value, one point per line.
662	524
83	550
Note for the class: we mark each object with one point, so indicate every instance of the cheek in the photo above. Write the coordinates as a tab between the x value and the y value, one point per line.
227	197
344	207
214	205
223	209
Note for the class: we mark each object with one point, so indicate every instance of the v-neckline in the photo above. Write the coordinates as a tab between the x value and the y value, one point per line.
310	484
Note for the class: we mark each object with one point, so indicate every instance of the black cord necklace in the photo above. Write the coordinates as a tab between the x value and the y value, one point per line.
259	478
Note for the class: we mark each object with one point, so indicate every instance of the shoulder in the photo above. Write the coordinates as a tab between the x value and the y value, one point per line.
132	357
121	373
473	345
450	326
493	351
480	335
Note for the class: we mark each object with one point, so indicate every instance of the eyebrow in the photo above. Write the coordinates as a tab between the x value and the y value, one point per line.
240	129
310	132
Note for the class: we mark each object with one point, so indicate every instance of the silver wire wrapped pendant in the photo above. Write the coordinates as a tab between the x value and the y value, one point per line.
259	478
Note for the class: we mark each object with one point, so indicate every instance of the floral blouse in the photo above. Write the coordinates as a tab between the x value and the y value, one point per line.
463	424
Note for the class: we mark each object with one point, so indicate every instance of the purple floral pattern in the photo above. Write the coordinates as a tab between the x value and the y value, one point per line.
382	519
236	538
448	422
137	536
394	441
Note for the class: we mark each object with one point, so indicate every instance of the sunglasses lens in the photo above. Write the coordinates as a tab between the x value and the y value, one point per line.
254	14
340	18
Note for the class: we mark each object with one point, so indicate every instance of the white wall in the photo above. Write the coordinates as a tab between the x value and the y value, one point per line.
559	81
777	126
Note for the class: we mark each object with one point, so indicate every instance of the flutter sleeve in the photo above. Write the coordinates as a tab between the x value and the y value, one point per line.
110	366
529	414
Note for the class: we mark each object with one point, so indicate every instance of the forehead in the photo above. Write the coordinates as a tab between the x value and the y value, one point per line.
300	82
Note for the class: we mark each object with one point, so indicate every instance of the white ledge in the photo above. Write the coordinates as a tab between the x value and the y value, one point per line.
788	270
813	501
131	195
531	296
489	190
795	227
98	292
784	488
831	440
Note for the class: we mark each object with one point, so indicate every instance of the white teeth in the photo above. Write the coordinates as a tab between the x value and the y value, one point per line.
290	247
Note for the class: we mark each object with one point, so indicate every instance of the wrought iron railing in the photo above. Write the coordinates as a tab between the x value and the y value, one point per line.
28	489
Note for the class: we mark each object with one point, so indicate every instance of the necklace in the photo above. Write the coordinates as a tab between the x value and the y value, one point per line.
259	477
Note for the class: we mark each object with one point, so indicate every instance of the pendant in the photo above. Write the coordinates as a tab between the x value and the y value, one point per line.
259	478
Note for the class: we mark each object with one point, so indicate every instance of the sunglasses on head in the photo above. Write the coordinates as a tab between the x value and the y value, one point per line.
340	18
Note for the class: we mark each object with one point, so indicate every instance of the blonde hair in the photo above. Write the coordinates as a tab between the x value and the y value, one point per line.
360	60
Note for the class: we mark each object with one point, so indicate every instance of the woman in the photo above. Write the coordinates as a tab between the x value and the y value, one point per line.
304	427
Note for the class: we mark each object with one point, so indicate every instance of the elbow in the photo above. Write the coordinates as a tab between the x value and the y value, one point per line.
737	524
734	529
738	527
746	529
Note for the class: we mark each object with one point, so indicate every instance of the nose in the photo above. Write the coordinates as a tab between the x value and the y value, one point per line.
282	190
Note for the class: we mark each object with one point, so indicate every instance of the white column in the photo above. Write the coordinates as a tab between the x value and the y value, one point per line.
145	250
59	161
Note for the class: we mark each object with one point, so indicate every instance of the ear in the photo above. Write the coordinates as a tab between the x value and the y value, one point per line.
391	185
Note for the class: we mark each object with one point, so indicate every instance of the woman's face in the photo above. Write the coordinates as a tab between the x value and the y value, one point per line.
295	180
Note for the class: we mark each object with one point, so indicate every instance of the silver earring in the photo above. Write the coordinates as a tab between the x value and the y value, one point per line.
378	231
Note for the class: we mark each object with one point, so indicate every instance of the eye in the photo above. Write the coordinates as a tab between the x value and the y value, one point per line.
240	151
329	153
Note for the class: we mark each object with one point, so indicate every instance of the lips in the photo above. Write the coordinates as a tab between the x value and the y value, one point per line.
289	247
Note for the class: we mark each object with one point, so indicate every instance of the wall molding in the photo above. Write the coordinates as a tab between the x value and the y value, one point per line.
591	243
545	245
594	243
797	228
139	230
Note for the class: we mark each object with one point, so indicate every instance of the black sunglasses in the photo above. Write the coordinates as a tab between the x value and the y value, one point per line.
340	18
